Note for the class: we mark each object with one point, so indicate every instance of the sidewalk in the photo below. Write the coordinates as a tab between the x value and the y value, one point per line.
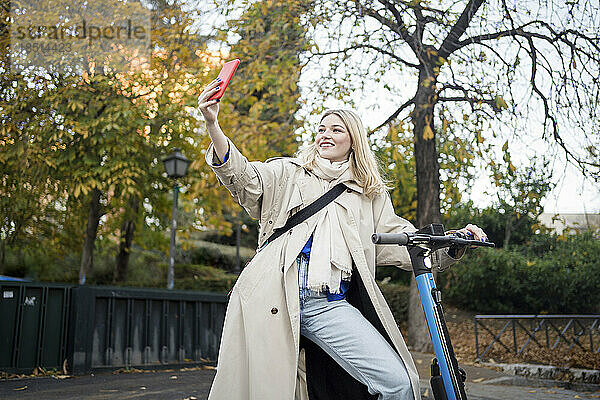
482	384
488	384
147	385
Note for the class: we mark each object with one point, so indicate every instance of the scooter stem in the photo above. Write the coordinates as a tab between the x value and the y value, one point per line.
453	387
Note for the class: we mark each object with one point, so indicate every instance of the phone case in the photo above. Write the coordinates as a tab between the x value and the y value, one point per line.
226	74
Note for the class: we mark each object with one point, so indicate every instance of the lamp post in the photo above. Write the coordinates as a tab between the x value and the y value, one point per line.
176	165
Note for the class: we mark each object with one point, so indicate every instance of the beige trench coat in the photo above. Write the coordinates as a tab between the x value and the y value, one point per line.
259	356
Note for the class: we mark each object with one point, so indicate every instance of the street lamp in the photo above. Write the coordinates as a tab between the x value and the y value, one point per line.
176	165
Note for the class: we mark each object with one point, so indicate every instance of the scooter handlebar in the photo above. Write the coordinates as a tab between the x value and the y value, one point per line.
403	239
390	238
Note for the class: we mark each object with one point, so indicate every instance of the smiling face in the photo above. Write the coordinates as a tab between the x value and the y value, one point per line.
333	140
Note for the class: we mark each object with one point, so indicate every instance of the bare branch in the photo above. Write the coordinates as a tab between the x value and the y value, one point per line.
393	116
493	50
548	116
520	31
430	9
397	27
450	43
421	22
473	100
406	35
371	47
507	14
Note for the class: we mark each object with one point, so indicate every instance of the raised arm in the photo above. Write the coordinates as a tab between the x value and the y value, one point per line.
210	111
251	184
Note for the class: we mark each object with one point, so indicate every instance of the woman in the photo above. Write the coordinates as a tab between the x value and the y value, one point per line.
306	319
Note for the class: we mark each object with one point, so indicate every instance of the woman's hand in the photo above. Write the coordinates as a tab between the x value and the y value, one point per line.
475	231
209	108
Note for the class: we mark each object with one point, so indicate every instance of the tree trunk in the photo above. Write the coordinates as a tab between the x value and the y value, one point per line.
21	257
508	228
3	255
87	255
428	194
127	231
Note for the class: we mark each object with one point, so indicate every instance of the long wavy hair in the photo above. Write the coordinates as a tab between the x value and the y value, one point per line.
364	166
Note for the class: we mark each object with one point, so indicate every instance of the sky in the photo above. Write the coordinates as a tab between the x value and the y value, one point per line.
573	193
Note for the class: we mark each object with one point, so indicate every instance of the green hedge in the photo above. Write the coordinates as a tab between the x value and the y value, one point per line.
187	277
203	278
559	276
217	255
396	296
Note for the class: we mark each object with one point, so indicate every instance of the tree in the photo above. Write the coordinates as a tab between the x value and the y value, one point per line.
395	152
125	241
266	97
470	56
26	191
100	133
259	108
520	192
100	155
169	87
397	157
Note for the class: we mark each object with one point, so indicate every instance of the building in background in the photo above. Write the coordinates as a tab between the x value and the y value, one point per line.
571	223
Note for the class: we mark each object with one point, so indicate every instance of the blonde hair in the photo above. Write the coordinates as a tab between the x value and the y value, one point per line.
363	164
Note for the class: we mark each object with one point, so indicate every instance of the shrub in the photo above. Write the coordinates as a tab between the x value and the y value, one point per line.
396	296
187	277
203	278
394	274
217	255
564	280
492	221
41	263
146	269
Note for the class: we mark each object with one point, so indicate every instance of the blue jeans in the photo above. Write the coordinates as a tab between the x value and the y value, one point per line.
347	337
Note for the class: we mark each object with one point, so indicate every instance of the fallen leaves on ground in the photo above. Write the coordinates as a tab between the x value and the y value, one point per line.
37	372
127	371
463	341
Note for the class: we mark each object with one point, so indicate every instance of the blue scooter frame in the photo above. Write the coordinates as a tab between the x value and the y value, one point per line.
447	379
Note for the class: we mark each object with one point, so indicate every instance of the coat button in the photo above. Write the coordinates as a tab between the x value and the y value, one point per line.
274	310
270	222
349	190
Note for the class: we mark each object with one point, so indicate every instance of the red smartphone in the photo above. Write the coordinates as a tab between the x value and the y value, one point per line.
226	73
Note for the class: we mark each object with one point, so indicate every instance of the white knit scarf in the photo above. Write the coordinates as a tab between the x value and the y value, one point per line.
330	260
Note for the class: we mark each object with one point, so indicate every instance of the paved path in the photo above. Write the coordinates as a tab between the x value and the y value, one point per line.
483	391
160	385
488	384
482	384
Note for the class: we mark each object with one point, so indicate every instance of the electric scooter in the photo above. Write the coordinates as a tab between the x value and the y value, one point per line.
447	378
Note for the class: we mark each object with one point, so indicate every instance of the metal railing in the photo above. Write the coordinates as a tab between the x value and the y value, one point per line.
549	331
85	328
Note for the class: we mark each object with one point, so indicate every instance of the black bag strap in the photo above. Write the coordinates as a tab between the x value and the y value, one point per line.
307	212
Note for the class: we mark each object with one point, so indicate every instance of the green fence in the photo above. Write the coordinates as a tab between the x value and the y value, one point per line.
87	328
34	327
